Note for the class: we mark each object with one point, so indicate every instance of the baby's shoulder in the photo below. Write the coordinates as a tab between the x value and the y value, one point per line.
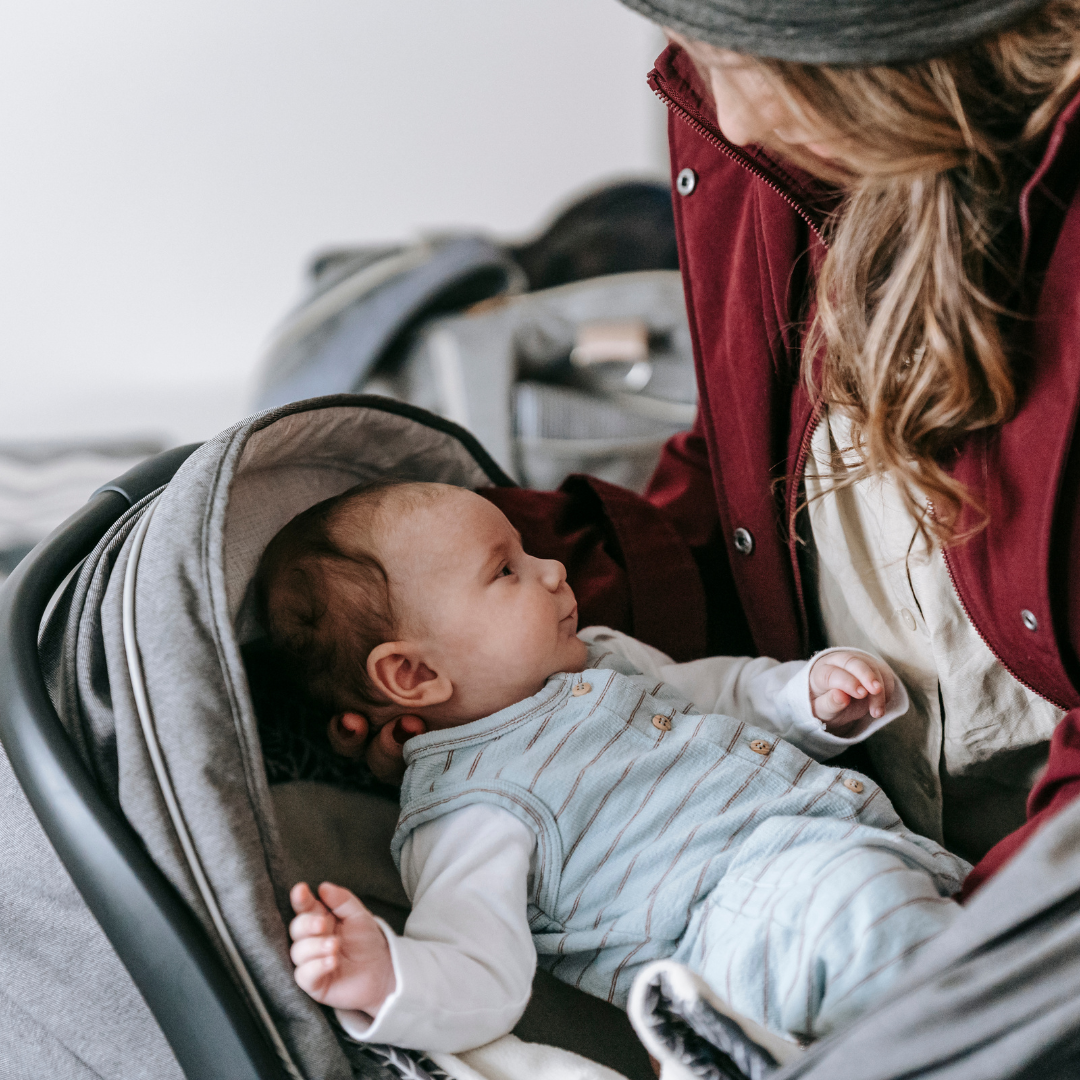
638	665
612	650
602	657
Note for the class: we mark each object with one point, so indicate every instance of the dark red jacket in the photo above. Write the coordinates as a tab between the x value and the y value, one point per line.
748	233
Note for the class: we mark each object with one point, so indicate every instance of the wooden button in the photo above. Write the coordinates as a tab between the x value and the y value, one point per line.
854	785
580	688
760	746
661	722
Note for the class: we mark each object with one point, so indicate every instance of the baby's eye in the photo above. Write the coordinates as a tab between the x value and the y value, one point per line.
506	571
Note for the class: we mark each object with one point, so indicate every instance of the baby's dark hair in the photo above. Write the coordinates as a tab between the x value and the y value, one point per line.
324	598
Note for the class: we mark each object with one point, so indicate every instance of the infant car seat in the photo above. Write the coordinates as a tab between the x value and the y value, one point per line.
129	731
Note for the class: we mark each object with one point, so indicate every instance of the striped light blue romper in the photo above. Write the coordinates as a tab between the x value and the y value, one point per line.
792	887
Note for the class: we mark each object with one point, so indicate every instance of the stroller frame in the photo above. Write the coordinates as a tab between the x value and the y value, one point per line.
141	913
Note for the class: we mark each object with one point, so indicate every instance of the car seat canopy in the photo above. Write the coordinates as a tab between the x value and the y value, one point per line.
143	658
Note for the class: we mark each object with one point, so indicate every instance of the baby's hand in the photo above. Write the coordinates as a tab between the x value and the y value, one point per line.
341	956
845	686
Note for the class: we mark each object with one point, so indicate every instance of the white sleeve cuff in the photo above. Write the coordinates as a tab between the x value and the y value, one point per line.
808	733
463	968
364	1028
414	1017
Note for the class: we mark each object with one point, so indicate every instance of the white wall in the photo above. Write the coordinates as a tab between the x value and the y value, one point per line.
168	166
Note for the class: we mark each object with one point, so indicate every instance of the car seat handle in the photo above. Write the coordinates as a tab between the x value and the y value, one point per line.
149	475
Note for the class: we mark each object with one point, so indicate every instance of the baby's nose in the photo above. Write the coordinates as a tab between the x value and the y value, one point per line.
552	573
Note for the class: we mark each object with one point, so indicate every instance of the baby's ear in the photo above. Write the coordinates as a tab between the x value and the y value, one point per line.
348	734
400	673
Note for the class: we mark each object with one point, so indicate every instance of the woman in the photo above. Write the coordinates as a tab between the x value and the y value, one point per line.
878	236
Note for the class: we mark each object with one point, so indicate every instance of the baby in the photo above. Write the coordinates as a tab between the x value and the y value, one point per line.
565	798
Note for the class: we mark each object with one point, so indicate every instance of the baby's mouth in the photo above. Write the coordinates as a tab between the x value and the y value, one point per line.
570	619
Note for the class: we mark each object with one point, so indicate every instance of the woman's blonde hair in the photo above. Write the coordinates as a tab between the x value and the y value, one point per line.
919	292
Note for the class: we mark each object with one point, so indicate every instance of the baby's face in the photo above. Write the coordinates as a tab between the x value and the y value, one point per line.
496	621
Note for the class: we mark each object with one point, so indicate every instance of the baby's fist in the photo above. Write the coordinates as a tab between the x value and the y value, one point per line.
846	686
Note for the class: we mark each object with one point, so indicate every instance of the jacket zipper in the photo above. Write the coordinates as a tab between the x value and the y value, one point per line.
726	148
804	449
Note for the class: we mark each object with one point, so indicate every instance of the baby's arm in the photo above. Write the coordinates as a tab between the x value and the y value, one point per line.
758	690
793	699
463	968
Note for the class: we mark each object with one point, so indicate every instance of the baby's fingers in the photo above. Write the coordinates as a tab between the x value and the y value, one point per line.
878	682
866	672
341	902
838	700
313	924
385	753
303	899
847	682
315	977
829	705
307	949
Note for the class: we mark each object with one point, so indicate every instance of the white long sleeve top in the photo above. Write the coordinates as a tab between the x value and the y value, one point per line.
464	966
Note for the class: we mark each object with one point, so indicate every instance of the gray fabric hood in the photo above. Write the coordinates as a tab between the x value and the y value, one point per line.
143	654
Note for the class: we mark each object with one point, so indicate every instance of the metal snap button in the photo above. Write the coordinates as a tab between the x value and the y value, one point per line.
760	746
581	688
743	541
853	785
686	181
1029	620
661	722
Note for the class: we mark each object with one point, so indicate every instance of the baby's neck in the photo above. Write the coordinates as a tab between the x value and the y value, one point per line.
462	708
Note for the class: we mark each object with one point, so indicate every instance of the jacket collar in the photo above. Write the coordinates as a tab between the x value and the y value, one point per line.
676	81
1047	194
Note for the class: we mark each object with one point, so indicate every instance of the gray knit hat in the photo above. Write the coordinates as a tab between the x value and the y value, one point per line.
837	31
